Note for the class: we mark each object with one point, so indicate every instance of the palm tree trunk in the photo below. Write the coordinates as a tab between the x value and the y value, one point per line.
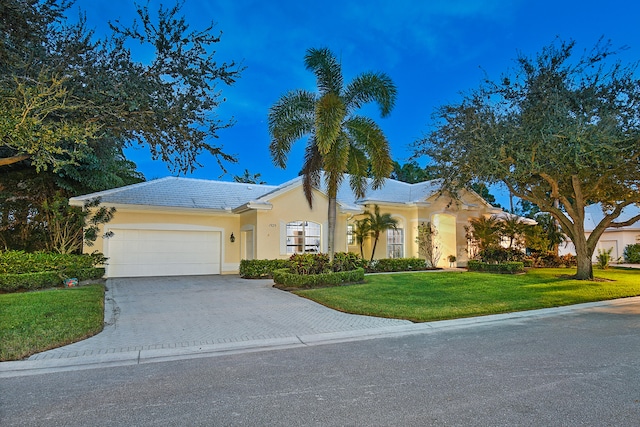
375	243
332	226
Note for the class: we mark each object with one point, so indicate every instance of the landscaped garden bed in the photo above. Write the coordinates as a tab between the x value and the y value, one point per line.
306	264
305	271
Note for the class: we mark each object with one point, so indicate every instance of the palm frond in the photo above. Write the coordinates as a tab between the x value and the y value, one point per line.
329	114
358	169
335	164
371	87
311	170
327	69
290	118
367	137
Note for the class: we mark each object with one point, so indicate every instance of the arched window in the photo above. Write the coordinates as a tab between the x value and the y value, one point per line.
303	237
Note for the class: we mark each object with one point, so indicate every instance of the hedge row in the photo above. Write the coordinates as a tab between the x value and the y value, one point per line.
261	268
396	264
44	279
17	262
316	263
512	267
282	277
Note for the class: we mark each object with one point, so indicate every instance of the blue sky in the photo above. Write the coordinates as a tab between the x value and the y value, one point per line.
433	51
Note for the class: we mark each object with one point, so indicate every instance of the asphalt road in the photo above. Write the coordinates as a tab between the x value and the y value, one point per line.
577	368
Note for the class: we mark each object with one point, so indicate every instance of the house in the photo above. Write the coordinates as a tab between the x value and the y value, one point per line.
186	226
616	239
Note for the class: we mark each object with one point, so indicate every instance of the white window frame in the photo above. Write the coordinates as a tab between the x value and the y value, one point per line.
395	248
350	237
303	237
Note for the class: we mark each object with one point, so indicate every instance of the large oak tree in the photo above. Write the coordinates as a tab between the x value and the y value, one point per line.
560	130
70	104
64	92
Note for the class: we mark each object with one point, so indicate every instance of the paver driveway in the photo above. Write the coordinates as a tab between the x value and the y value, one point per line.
187	313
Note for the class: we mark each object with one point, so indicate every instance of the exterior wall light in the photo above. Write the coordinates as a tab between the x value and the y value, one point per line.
232	238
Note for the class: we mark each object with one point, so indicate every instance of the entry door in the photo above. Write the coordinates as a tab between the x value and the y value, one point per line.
247	244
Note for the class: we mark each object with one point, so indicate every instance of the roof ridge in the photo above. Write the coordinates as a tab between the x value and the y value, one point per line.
220	181
123	188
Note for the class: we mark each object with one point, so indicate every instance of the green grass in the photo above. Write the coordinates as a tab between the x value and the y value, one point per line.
31	322
423	297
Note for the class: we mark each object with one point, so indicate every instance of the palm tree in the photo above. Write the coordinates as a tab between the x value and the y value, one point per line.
361	232
485	231
551	231
340	141
379	223
513	228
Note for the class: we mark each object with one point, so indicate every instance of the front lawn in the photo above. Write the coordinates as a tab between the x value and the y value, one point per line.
31	322
423	297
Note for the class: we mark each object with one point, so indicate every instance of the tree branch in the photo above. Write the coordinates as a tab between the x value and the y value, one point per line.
626	223
14	159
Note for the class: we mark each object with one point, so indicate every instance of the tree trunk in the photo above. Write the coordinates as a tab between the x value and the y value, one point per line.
583	257
332	226
375	243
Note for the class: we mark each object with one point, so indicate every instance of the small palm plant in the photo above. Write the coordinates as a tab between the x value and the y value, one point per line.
604	258
379	223
361	232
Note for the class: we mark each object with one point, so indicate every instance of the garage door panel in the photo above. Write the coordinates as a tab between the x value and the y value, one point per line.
134	252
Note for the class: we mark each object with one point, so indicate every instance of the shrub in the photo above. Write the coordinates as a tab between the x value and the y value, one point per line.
309	263
46	279
27	271
16	262
498	254
568	260
604	258
285	278
511	267
397	264
632	253
92	273
29	281
261	268
550	260
347	261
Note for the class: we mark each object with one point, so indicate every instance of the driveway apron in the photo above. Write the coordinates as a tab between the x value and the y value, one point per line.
187	313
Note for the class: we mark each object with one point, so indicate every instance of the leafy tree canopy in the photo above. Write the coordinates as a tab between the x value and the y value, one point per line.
65	94
412	173
559	131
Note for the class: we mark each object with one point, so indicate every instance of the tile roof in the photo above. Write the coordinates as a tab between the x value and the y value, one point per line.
220	195
593	216
391	192
182	193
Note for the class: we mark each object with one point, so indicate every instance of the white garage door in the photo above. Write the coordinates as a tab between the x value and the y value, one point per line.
134	253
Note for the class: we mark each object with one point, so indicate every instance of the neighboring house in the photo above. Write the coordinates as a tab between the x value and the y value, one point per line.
615	239
182	226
